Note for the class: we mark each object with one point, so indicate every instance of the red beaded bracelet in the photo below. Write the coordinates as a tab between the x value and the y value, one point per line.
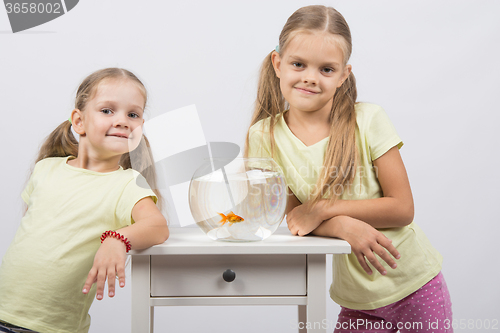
114	234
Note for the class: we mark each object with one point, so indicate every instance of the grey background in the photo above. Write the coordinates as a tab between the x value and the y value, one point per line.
433	66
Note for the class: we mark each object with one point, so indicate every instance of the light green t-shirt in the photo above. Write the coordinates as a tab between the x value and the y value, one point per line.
301	164
44	270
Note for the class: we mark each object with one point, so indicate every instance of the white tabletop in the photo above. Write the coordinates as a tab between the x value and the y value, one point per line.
194	241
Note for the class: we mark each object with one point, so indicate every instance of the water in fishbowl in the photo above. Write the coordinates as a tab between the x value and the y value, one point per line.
238	206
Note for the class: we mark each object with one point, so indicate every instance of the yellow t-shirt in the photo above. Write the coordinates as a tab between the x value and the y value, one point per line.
44	270
301	164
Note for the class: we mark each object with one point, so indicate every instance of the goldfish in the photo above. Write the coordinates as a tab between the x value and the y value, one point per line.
231	218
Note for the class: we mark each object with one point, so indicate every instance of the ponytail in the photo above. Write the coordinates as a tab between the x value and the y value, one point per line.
270	101
60	143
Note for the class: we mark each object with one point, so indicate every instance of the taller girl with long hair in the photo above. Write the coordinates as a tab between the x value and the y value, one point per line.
86	208
346	178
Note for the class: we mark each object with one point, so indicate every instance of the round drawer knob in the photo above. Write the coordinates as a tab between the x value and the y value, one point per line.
229	275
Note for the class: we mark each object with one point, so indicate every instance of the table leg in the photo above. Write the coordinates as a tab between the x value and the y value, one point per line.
316	293
152	319
142	312
302	318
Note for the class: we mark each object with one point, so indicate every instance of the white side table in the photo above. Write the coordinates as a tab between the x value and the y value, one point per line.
190	269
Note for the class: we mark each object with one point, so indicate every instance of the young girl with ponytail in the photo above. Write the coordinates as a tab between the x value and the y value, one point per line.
346	179
86	208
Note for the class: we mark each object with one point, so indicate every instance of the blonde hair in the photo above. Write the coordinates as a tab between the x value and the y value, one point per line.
61	142
341	154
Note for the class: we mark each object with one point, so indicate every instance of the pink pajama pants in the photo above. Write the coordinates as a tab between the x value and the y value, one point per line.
426	310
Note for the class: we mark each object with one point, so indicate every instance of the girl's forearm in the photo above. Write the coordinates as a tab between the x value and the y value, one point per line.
144	234
385	212
329	228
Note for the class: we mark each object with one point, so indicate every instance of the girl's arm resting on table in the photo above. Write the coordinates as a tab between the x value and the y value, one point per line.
365	241
150	228
394	209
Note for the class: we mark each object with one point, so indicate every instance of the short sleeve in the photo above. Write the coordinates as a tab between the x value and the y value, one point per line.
28	189
381	134
258	141
135	190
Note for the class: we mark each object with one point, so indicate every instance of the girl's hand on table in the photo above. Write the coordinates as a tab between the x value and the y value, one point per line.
301	220
109	262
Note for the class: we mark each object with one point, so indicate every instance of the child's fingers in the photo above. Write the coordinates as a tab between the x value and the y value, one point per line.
362	262
296	231
121	274
292	227
385	256
387	243
373	260
91	279
112	274
302	232
296	228
101	282
375	263
111	282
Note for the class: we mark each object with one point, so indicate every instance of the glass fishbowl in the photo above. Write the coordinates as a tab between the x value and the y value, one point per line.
241	199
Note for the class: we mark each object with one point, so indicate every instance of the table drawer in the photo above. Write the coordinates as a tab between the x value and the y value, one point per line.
254	275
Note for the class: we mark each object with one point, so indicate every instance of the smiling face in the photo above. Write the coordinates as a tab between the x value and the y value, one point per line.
311	68
111	123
